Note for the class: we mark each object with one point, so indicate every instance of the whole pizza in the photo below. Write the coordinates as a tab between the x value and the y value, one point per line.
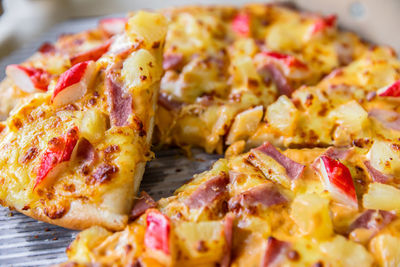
306	114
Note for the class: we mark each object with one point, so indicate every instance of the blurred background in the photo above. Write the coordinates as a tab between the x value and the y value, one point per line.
24	20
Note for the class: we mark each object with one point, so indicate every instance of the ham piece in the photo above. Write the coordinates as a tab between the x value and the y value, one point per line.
208	192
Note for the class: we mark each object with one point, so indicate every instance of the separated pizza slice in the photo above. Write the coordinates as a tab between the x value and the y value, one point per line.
52	59
357	105
300	207
74	155
225	65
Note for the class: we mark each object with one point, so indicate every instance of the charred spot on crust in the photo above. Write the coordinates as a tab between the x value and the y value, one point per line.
156	45
71	107
396	147
362	142
102	174
17	123
140	126
252	83
128	248
201	246
69	187
111	149
309	100
26	207
293	255
92	101
54	212
29	155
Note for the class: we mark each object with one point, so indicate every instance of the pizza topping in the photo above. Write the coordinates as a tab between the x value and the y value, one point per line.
228	235
28	79
373	219
284	59
73	84
376	175
208	192
266	194
55	212
392	90
58	151
293	169
144	203
272	72
158	228
121	103
173	62
337	153
323	24
389	119
85	152
92	54
47	48
166	101
113	26
241	24
337	179
274	252
289	66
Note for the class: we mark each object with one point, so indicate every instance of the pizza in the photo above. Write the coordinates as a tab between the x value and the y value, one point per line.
353	105
266	207
74	154
53	59
315	107
224	66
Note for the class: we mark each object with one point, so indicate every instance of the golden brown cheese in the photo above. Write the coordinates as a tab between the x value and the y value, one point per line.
52	58
222	61
297	225
95	179
341	110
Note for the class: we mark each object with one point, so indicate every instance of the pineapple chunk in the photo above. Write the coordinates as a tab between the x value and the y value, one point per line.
350	116
93	125
382	197
201	242
139	69
81	248
151	27
245	124
244	70
386	249
311	214
282	116
342	252
385	158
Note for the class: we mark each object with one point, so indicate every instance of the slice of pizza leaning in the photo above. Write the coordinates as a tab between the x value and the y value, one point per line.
75	155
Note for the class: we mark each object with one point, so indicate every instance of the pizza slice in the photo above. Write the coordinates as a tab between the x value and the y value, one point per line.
52	59
74	155
354	105
224	65
300	207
